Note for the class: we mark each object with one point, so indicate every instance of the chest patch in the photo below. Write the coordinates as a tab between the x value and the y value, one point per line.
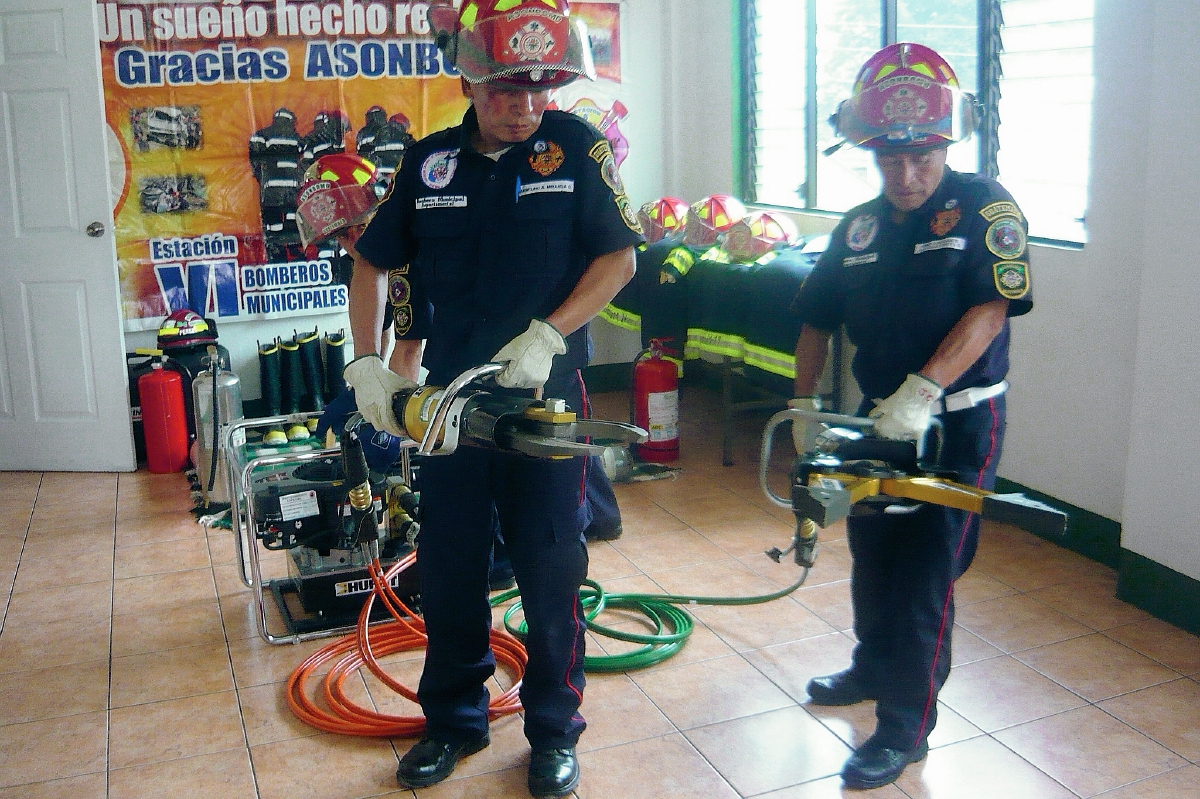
441	201
952	243
1006	238
859	260
547	157
437	170
944	221
862	232
545	187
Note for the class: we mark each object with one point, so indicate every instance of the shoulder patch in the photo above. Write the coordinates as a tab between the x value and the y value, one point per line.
399	289
1003	208
601	152
1012	278
401	319
1005	238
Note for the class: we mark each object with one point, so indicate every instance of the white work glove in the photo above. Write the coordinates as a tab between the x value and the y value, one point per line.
374	384
904	416
800	428
529	356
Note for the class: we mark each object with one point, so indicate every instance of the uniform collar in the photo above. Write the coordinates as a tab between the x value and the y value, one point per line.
924	209
470	124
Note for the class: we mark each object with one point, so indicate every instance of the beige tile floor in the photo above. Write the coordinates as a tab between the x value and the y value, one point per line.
129	666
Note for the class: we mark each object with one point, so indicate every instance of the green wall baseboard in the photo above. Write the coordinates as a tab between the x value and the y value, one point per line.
1143	583
1089	534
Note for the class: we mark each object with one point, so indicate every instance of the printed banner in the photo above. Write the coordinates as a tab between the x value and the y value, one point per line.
214	112
216	109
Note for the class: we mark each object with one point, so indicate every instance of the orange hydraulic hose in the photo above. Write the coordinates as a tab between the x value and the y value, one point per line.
406	631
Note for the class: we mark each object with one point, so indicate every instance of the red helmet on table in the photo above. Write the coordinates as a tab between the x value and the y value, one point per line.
524	44
338	191
906	97
759	233
709	217
662	217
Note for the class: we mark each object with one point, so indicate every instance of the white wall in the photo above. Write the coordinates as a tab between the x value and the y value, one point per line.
1161	517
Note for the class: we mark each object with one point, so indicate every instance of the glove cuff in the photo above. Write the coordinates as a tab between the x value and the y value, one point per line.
374	355
552	336
924	389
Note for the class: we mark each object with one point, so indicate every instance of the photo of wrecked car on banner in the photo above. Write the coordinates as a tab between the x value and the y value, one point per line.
216	110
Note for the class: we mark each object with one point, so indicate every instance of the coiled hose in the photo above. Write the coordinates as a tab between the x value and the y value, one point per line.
672	626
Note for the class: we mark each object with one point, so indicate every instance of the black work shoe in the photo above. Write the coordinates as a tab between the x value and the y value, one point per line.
553	772
431	761
842	688
873	765
594	532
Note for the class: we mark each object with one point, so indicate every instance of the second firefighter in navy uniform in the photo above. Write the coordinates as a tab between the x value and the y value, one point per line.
509	233
923	279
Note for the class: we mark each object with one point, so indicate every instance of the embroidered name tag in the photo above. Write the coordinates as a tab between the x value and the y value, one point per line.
546	186
856	260
442	201
952	243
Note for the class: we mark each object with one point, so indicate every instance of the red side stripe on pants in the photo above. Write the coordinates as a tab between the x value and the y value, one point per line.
962	538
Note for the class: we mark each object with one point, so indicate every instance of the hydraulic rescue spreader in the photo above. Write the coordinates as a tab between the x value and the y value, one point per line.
443	418
848	467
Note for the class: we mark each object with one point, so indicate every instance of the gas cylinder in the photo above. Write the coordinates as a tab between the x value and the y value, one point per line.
210	438
654	397
164	419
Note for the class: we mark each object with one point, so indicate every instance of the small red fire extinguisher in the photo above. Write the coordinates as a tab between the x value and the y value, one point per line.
164	419
654	402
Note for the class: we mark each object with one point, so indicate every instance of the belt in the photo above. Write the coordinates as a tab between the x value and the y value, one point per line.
968	398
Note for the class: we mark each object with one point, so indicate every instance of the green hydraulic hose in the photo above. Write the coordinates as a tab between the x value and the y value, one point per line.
660	609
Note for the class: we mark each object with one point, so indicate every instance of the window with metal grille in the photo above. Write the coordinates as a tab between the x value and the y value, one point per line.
1028	61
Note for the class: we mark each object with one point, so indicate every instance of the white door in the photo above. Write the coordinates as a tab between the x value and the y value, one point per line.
64	404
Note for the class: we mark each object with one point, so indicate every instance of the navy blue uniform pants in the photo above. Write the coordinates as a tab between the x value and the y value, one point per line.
541	510
902	583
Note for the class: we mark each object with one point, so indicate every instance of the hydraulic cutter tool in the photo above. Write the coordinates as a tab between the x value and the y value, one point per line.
849	466
444	418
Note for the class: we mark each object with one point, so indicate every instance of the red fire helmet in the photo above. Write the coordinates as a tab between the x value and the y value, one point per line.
906	96
663	217
709	217
758	233
338	191
526	44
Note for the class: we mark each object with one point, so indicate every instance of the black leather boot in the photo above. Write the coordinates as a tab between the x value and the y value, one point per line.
553	772
430	761
843	688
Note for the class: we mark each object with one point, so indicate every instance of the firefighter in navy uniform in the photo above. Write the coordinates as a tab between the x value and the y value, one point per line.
275	153
923	279
515	231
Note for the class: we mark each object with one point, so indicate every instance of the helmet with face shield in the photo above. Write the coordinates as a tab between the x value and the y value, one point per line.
338	191
906	97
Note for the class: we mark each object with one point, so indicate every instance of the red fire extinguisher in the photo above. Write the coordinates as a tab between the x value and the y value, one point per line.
654	401
164	419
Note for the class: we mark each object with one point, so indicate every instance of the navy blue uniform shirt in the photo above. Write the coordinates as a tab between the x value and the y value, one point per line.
493	244
900	288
